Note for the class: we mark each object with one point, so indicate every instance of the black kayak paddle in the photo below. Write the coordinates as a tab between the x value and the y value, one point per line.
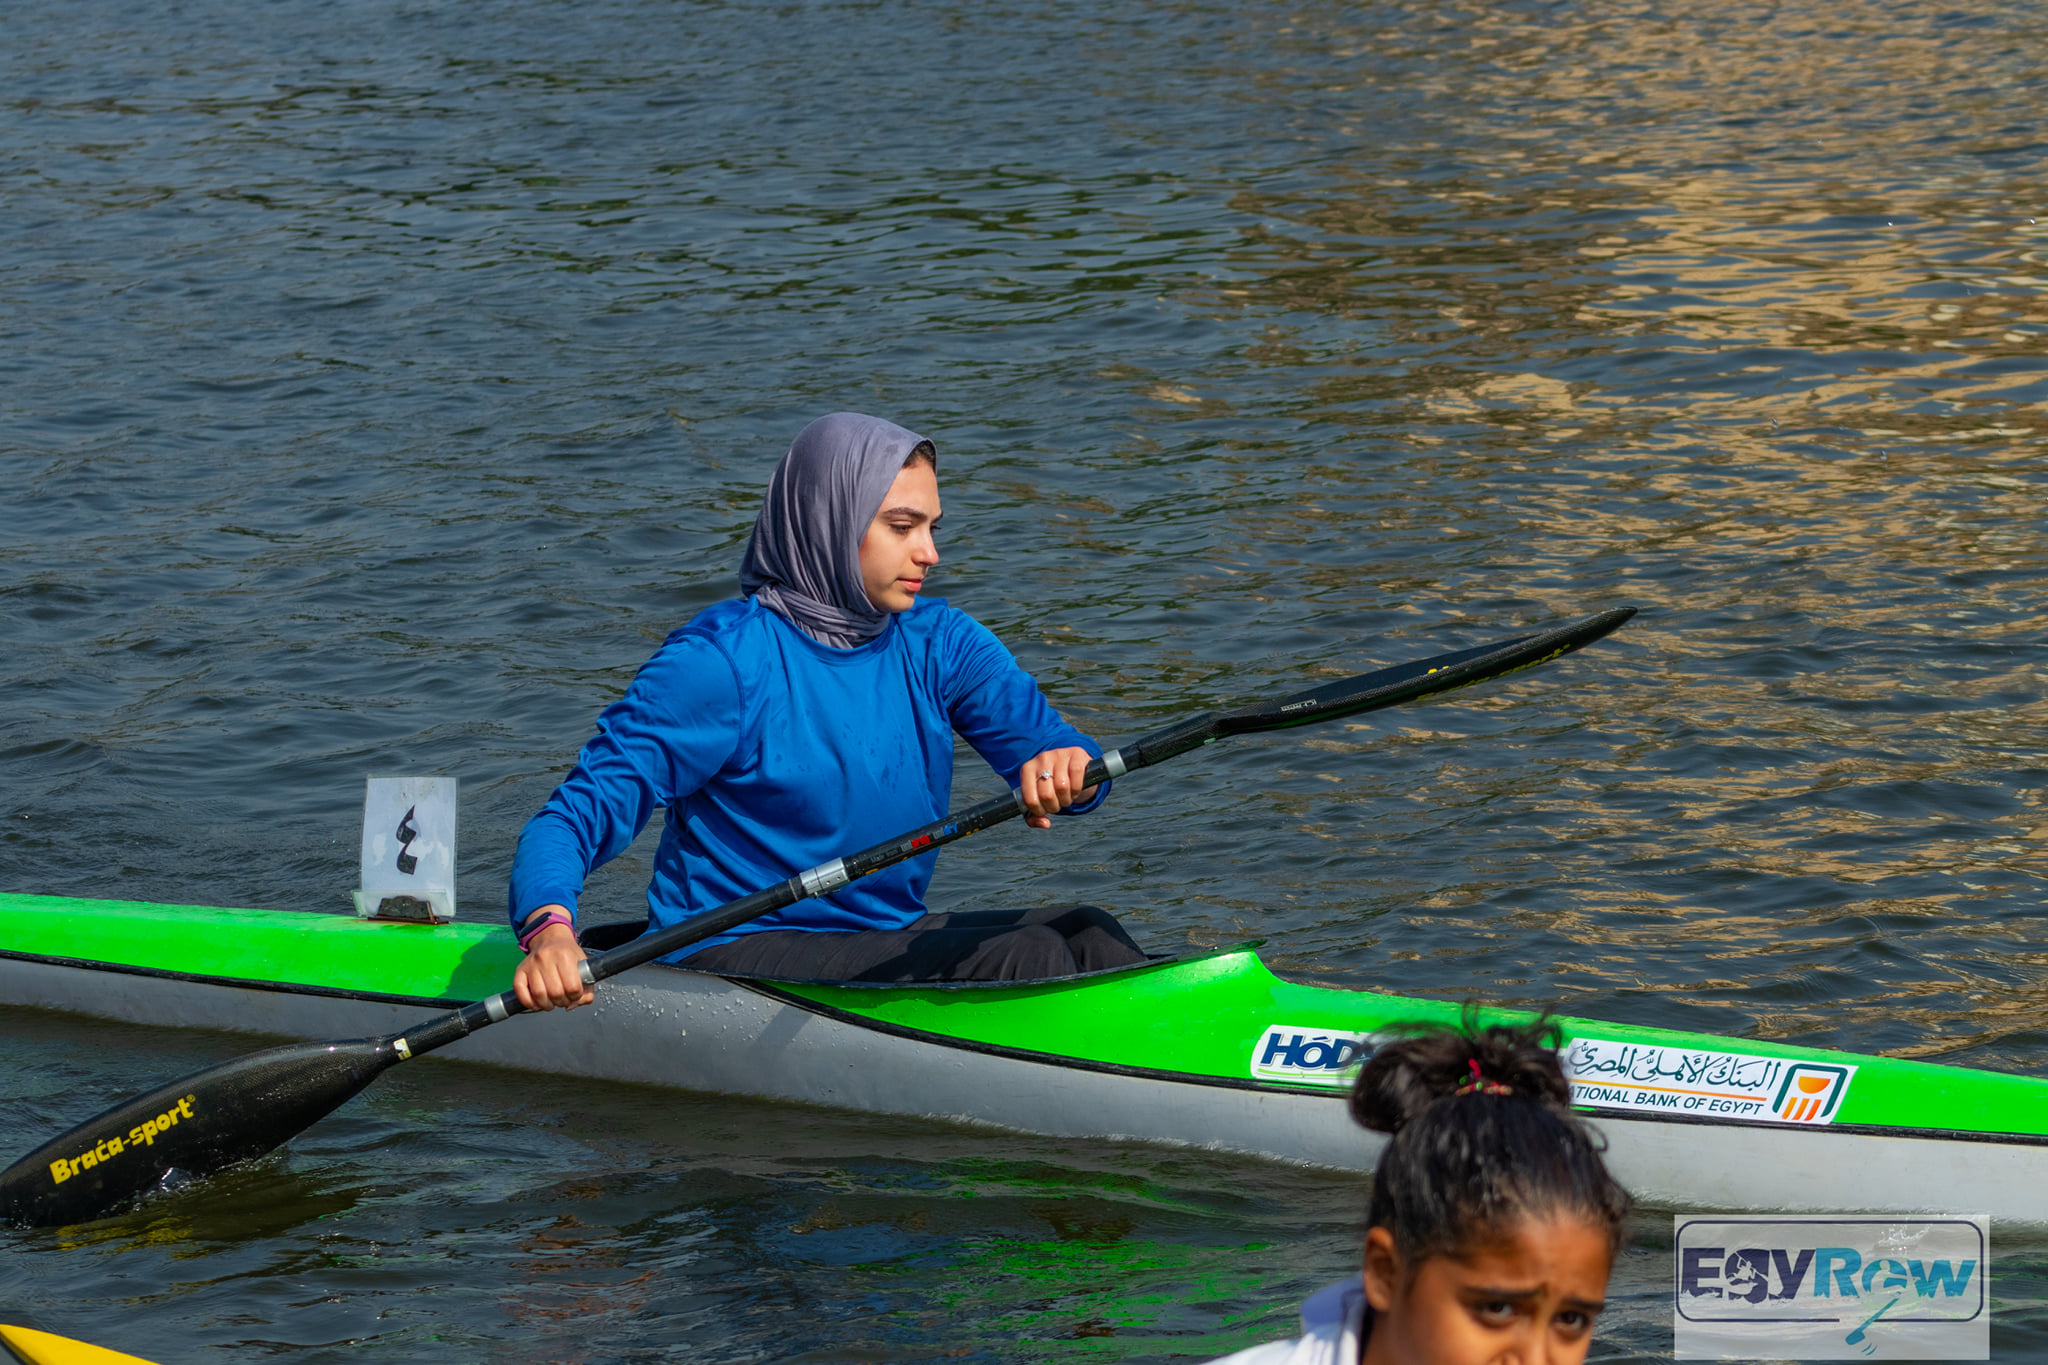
244	1108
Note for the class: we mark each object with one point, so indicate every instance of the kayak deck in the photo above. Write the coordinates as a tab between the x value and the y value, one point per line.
1212	1049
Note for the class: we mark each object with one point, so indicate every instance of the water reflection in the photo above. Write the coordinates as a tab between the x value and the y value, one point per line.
382	392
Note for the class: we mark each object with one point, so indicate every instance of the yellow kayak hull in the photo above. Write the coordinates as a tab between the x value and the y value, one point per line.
31	1347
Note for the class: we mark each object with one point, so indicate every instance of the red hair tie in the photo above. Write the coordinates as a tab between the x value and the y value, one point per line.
1479	1085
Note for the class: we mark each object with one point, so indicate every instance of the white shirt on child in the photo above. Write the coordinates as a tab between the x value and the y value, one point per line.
1334	1322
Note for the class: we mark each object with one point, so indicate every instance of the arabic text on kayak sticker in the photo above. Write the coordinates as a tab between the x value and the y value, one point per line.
1727	1085
1303	1054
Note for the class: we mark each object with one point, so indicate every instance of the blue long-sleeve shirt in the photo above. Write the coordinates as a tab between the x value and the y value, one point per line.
773	753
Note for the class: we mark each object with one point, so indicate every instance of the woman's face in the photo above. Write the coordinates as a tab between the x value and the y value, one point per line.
1529	1297
898	549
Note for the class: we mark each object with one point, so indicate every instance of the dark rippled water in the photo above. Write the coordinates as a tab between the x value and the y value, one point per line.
382	381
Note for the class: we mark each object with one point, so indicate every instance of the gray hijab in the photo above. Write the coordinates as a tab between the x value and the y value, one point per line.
803	560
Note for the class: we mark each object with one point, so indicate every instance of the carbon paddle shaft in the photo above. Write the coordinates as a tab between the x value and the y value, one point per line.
242	1109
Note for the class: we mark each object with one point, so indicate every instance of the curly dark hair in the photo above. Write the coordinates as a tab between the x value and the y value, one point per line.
1483	1137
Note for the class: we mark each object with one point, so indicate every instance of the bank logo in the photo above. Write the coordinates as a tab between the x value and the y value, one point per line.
1305	1054
1810	1092
1639	1077
1811	1288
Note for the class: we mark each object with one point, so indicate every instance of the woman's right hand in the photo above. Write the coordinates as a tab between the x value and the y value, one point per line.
551	974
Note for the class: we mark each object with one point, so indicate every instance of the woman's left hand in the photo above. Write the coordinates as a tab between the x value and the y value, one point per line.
1052	782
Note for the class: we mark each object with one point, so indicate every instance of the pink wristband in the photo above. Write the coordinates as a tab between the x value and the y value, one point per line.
526	935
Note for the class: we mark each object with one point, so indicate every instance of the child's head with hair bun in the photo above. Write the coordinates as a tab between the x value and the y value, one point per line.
1493	1222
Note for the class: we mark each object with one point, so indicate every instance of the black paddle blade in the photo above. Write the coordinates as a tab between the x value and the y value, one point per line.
191	1127
1423	678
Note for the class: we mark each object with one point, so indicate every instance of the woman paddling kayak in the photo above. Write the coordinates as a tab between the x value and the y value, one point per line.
815	715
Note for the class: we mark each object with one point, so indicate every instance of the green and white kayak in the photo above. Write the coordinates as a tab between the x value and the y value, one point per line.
1210	1051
